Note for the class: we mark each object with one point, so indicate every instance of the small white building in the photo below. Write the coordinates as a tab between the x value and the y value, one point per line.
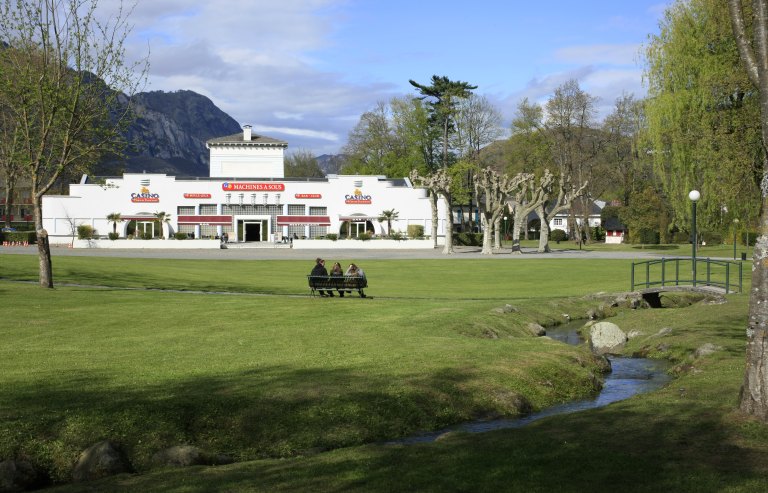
560	220
246	196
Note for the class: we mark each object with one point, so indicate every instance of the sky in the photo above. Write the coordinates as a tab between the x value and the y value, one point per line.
304	71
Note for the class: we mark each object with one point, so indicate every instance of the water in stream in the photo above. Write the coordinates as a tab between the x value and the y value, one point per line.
628	377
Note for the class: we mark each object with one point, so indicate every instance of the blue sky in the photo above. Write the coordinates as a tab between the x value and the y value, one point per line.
305	70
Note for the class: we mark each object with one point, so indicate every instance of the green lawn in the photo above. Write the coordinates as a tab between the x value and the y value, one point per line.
271	376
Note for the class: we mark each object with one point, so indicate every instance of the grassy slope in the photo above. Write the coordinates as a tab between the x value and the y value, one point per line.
299	375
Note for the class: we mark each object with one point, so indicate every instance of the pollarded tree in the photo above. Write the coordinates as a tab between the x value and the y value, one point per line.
492	190
439	184
754	55
64	81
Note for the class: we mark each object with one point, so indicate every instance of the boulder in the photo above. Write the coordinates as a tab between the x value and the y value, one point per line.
706	350
99	461
187	455
18	475
537	329
634	333
606	337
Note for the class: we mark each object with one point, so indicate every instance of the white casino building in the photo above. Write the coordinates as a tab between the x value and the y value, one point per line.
246	196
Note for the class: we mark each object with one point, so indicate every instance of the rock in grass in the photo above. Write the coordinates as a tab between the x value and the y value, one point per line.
706	350
606	338
18	475
99	461
187	455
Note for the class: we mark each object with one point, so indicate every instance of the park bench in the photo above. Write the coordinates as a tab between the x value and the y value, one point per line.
337	283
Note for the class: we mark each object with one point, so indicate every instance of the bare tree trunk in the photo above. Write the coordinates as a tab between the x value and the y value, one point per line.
754	391
544	237
487	233
497	233
516	219
448	248
433	204
43	248
9	191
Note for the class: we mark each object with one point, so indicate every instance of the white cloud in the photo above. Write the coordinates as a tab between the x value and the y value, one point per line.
599	54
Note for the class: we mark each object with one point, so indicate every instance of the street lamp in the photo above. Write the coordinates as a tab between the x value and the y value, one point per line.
694	196
505	230
735	225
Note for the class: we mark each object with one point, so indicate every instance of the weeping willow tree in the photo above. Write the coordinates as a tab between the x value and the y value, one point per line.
703	116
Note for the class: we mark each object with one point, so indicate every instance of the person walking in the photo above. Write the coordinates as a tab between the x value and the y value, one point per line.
319	270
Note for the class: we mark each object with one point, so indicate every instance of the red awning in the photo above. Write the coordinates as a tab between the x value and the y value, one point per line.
302	220
213	220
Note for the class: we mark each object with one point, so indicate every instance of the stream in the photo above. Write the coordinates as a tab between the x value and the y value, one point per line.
628	377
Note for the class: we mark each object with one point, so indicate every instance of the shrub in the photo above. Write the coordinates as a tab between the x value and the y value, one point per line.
415	231
179	235
468	239
113	236
364	236
146	235
19	236
397	235
712	238
558	235
85	232
332	236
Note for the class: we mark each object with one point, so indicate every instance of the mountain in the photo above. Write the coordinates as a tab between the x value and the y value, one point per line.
169	135
331	164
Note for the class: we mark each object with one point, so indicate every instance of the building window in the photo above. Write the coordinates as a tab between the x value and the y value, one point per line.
558	222
208	231
208	209
187	228
318	211
295	209
185	210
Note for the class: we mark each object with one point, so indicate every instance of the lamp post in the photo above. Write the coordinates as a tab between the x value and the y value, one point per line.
735	225
694	196
505	230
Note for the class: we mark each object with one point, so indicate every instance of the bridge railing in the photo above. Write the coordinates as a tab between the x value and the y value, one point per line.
679	271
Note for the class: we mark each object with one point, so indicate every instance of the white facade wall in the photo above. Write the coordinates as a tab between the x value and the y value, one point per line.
228	161
147	194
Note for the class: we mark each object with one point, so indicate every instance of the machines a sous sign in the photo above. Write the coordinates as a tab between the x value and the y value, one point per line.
252	187
357	198
145	196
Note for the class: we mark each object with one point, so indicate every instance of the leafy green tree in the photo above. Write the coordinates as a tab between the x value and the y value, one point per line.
302	164
703	116
64	81
646	216
444	95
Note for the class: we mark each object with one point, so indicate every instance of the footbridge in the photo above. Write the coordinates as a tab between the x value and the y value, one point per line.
652	277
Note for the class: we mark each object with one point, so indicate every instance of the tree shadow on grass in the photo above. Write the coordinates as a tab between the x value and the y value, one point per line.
615	449
266	412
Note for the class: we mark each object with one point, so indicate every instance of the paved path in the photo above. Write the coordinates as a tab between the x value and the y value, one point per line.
291	254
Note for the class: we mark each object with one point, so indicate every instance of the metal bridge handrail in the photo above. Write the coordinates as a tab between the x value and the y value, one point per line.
677	280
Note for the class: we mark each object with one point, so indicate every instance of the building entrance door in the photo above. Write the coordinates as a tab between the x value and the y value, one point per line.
252	231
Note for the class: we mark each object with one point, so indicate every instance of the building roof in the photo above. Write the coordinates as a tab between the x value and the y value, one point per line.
613	224
255	139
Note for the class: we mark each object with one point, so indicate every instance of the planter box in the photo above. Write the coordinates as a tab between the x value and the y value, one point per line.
123	244
363	245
